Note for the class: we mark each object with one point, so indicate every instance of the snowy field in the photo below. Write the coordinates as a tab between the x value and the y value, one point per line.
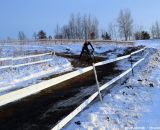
130	105
23	65
20	66
154	43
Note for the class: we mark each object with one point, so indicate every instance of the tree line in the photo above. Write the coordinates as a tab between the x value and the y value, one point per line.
78	27
87	27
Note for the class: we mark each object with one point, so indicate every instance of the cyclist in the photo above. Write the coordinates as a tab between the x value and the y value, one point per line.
86	50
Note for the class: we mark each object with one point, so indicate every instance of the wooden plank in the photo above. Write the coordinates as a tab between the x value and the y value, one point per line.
112	60
26	64
30	56
19	94
63	122
31	63
133	53
23	57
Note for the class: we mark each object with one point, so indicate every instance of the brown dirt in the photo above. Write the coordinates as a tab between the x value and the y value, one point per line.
43	110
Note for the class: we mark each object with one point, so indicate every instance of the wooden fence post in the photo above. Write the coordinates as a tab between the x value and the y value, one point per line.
98	87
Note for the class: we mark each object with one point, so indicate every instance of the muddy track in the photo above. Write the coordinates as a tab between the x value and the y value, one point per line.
43	110
98	58
85	61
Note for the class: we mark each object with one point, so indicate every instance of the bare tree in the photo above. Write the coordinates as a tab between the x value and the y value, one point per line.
112	30
94	27
35	36
138	28
155	30
84	26
125	24
21	36
57	32
80	27
65	32
72	26
9	38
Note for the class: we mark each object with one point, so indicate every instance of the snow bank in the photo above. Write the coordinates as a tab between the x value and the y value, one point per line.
74	48
153	43
21	72
131	105
20	77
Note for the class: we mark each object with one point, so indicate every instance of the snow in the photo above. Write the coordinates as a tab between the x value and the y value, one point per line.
74	48
23	71
131	105
151	118
153	43
13	79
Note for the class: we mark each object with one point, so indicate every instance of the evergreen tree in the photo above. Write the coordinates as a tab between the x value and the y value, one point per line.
50	37
42	35
106	36
143	35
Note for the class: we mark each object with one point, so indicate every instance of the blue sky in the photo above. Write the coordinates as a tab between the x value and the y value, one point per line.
33	15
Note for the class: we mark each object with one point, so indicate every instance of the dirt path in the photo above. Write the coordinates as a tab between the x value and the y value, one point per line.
85	61
43	110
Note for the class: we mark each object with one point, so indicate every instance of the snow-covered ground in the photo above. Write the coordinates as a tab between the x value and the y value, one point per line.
15	78
129	106
73	48
153	43
16	75
133	104
19	72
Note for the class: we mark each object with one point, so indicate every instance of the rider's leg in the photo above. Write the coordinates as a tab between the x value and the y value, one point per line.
82	52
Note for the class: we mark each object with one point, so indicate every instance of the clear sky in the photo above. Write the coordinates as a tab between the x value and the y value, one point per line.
33	15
